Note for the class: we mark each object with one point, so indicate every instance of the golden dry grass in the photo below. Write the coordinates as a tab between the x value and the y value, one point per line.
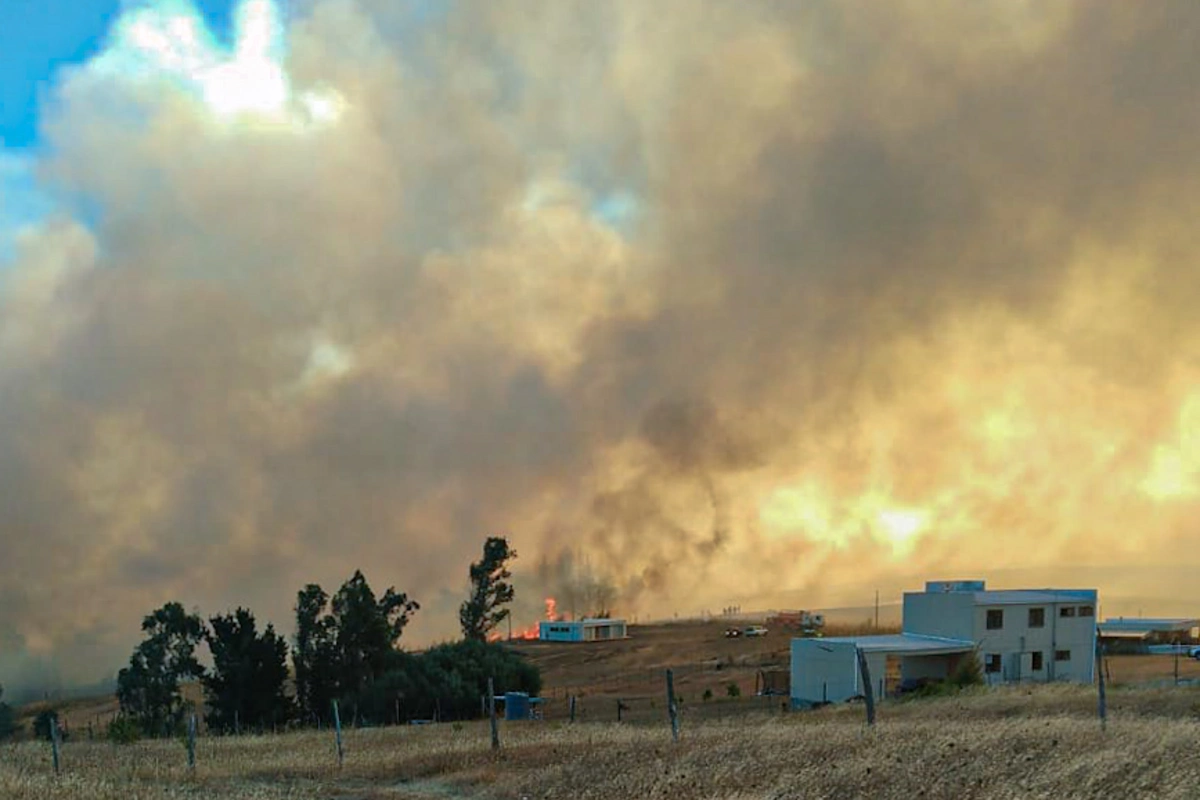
698	652
1010	743
1151	668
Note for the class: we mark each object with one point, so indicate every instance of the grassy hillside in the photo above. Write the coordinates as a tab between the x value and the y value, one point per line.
703	659
699	653
631	671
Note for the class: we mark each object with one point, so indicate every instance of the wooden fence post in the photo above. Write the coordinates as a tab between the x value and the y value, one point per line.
672	709
1176	649
492	714
337	727
868	692
572	708
54	739
191	743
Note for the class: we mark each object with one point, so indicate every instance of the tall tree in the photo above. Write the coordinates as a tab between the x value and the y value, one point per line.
344	643
315	654
484	610
367	629
246	686
8	723
148	689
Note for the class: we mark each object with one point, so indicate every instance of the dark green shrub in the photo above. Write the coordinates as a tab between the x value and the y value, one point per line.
42	727
447	681
123	730
967	673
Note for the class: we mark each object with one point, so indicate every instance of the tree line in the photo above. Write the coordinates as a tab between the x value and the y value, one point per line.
346	648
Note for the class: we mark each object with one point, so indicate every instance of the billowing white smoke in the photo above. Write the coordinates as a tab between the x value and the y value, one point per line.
770	301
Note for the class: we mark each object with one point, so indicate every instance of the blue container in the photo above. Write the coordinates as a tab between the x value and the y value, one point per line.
516	705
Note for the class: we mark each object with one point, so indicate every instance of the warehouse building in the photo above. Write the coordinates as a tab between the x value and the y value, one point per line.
1017	635
1146	634
581	630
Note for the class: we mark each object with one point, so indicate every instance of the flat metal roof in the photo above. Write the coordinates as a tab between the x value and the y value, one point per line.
901	644
1148	624
1004	597
1024	597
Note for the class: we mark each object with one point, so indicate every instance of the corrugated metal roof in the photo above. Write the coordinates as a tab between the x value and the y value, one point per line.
1023	597
1109	634
901	643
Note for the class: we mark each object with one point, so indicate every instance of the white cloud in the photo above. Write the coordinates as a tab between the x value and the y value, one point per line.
247	82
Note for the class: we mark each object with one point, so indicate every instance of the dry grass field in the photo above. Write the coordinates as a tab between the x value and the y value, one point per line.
703	659
1011	743
698	652
1014	742
631	670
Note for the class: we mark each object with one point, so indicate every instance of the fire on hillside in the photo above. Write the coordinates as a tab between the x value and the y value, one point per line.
531	633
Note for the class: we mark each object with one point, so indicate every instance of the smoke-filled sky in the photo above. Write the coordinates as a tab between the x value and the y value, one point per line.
702	301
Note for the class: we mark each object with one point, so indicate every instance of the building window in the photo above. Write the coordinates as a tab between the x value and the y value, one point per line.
991	662
995	619
1062	655
1037	661
1037	617
1087	611
1067	611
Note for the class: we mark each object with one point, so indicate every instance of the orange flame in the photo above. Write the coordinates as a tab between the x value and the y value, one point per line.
532	633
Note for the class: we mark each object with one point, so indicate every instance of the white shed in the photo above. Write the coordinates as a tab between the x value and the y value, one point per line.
826	670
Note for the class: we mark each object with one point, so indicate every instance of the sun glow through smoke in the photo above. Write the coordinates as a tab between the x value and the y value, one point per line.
811	513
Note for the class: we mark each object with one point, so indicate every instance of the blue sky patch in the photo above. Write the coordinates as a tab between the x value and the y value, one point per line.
22	202
40	37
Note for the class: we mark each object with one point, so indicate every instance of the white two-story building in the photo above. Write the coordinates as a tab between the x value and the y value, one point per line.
1017	635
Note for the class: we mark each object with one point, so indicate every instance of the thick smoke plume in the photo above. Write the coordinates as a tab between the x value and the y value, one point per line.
785	301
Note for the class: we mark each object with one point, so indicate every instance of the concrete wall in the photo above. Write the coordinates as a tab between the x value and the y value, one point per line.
823	671
580	631
560	632
1016	642
955	615
948	615
603	631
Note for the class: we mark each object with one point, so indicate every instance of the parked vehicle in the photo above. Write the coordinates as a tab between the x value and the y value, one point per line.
806	623
755	630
